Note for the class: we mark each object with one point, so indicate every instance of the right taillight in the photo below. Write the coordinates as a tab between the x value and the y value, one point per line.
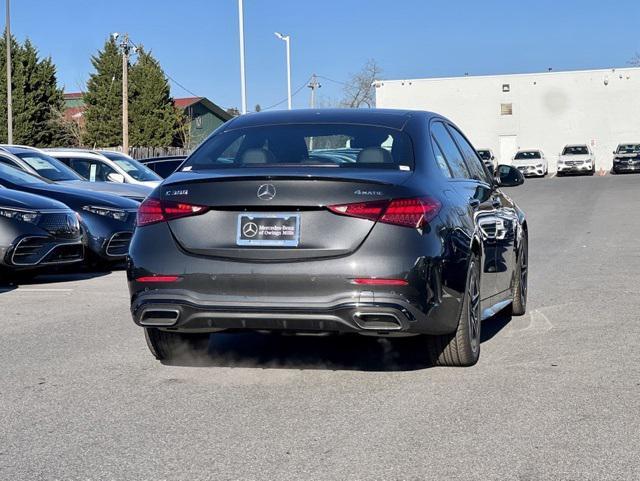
414	212
152	211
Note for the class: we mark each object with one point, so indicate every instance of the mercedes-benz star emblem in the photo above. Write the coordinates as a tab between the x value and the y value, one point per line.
266	192
250	229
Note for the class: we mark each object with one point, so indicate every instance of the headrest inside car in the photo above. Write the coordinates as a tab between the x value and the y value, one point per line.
257	156
374	155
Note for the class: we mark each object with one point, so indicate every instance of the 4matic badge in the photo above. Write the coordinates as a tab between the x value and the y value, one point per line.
367	192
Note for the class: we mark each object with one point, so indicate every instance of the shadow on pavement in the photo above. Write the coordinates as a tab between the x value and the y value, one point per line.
329	352
11	283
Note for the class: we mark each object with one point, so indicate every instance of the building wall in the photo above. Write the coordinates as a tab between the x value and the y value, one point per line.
550	109
207	123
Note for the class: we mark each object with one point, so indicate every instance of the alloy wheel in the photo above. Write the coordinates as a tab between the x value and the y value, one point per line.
473	293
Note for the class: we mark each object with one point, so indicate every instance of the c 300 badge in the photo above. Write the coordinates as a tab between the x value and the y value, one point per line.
170	193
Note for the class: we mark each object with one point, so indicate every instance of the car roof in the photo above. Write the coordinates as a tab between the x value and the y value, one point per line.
18	149
85	152
392	118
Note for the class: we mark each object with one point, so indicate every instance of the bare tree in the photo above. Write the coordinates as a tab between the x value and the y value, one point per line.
72	130
359	90
635	60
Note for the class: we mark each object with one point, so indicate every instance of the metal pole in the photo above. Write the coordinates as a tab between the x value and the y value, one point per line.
313	85
243	80
288	40
9	93
125	94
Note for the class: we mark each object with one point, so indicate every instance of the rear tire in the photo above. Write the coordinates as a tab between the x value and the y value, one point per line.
461	348
165	345
520	281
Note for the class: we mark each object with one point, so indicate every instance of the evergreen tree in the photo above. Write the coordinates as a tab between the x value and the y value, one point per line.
153	119
37	100
103	98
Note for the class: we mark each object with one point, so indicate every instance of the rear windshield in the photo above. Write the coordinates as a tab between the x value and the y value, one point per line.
575	150
305	145
527	155
629	149
484	154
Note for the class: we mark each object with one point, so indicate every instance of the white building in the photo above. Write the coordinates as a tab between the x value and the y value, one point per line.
531	111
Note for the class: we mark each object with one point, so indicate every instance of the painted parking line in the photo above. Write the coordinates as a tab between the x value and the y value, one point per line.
29	289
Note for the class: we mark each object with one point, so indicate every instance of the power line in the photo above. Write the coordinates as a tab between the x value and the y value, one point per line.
332	80
170	77
297	91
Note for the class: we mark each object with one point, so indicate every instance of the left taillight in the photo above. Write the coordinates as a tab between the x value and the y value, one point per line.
152	211
413	212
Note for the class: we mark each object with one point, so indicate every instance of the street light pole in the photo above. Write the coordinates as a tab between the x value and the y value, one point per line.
125	94
243	80
287	40
9	93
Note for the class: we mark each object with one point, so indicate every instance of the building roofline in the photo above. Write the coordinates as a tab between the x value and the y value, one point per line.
512	75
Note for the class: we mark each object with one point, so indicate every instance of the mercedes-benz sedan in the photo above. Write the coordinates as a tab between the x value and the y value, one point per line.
377	222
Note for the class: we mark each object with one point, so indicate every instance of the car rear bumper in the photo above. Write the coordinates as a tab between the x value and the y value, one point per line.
373	314
316	295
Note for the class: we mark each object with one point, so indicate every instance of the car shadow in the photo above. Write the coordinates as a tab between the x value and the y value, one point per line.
337	352
9	284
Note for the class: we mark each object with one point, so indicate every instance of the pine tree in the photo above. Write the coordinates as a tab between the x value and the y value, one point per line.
103	98
152	116
37	100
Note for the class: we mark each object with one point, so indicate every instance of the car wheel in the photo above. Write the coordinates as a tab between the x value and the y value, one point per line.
461	348
166	345
520	286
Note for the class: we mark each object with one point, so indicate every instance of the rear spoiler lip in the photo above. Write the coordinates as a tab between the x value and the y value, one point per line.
364	179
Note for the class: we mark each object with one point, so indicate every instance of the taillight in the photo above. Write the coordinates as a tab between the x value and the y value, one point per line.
153	210
415	212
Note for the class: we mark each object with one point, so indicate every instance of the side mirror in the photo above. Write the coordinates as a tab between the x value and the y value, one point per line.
115	177
509	176
493	157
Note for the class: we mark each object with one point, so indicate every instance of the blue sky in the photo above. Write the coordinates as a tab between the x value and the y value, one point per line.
196	41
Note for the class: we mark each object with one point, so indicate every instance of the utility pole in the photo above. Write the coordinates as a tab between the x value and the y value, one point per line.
313	85
243	80
126	48
9	93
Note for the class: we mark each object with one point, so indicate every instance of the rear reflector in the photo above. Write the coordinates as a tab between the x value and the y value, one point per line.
158	279
414	212
376	281
153	210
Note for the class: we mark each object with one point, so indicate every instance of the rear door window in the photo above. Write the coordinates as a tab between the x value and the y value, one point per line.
450	150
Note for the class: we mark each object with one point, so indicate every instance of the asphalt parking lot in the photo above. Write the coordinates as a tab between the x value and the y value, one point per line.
556	394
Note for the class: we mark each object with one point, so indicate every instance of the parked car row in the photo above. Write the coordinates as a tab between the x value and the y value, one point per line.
574	159
51	214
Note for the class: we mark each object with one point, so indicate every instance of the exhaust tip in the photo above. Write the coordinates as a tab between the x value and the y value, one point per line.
377	321
159	317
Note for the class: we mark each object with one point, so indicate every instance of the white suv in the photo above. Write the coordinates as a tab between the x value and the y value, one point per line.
531	162
106	166
578	158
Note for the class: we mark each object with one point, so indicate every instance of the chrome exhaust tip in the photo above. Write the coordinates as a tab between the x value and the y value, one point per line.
159	317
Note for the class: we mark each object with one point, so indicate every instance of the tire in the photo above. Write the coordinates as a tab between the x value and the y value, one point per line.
165	345
520	281
461	348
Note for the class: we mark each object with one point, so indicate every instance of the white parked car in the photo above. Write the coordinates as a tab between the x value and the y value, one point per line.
531	163
578	158
106	166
